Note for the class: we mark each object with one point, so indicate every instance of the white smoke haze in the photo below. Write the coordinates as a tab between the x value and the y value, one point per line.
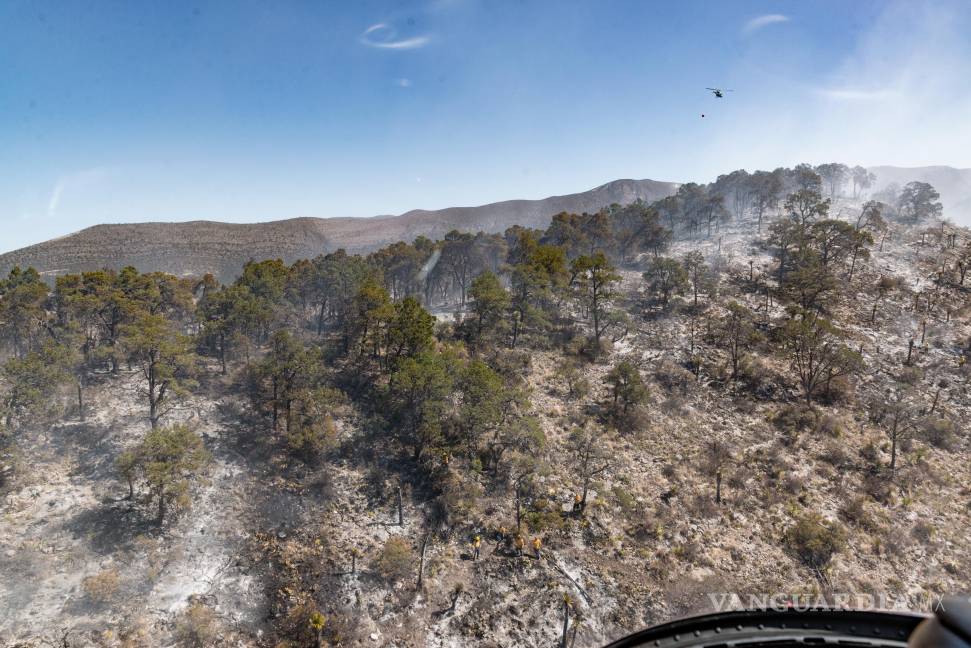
901	98
73	181
430	264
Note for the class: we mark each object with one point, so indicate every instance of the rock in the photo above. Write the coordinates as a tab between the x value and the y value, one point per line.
9	553
374	636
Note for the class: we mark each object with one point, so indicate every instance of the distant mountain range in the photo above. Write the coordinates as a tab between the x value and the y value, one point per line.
197	247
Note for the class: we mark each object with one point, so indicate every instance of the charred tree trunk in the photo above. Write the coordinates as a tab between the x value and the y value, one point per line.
421	561
81	398
401	513
566	620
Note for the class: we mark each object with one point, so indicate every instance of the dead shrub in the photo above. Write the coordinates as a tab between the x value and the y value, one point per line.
758	378
870	454
674	405
854	512
101	587
792	483
923	532
634	420
940	433
835	454
686	596
688	551
396	560
703	506
592	350
839	390
674	378
829	425
198	626
896	540
792	420
815	540
877	486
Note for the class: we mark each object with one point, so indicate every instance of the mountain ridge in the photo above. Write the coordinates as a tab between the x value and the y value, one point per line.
197	247
200	246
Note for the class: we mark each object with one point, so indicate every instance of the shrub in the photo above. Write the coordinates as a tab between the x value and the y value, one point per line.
395	560
688	552
512	364
896	540
758	377
627	391
829	425
876	486
674	378
8	464
456	502
870	453
791	420
593	350
923	531
703	506
309	439
835	454
940	433
101	587
198	627
815	540
569	372
540	521
792	483
669	470
838	390
624	499
674	405
854	512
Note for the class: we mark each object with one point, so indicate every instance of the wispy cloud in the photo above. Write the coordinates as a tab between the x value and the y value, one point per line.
384	36
759	22
403	83
856	94
72	181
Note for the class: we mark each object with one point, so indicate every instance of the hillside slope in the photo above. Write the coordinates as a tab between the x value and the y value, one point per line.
268	532
197	247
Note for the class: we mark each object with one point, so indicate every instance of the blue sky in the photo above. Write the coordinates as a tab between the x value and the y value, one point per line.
246	111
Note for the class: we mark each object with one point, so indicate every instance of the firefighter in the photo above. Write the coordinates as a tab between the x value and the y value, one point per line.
502	538
520	544
476	545
537	545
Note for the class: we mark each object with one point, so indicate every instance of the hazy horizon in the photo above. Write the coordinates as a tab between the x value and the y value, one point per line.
242	113
176	220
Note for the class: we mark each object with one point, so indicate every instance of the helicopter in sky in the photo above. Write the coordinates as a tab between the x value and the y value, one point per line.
719	92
